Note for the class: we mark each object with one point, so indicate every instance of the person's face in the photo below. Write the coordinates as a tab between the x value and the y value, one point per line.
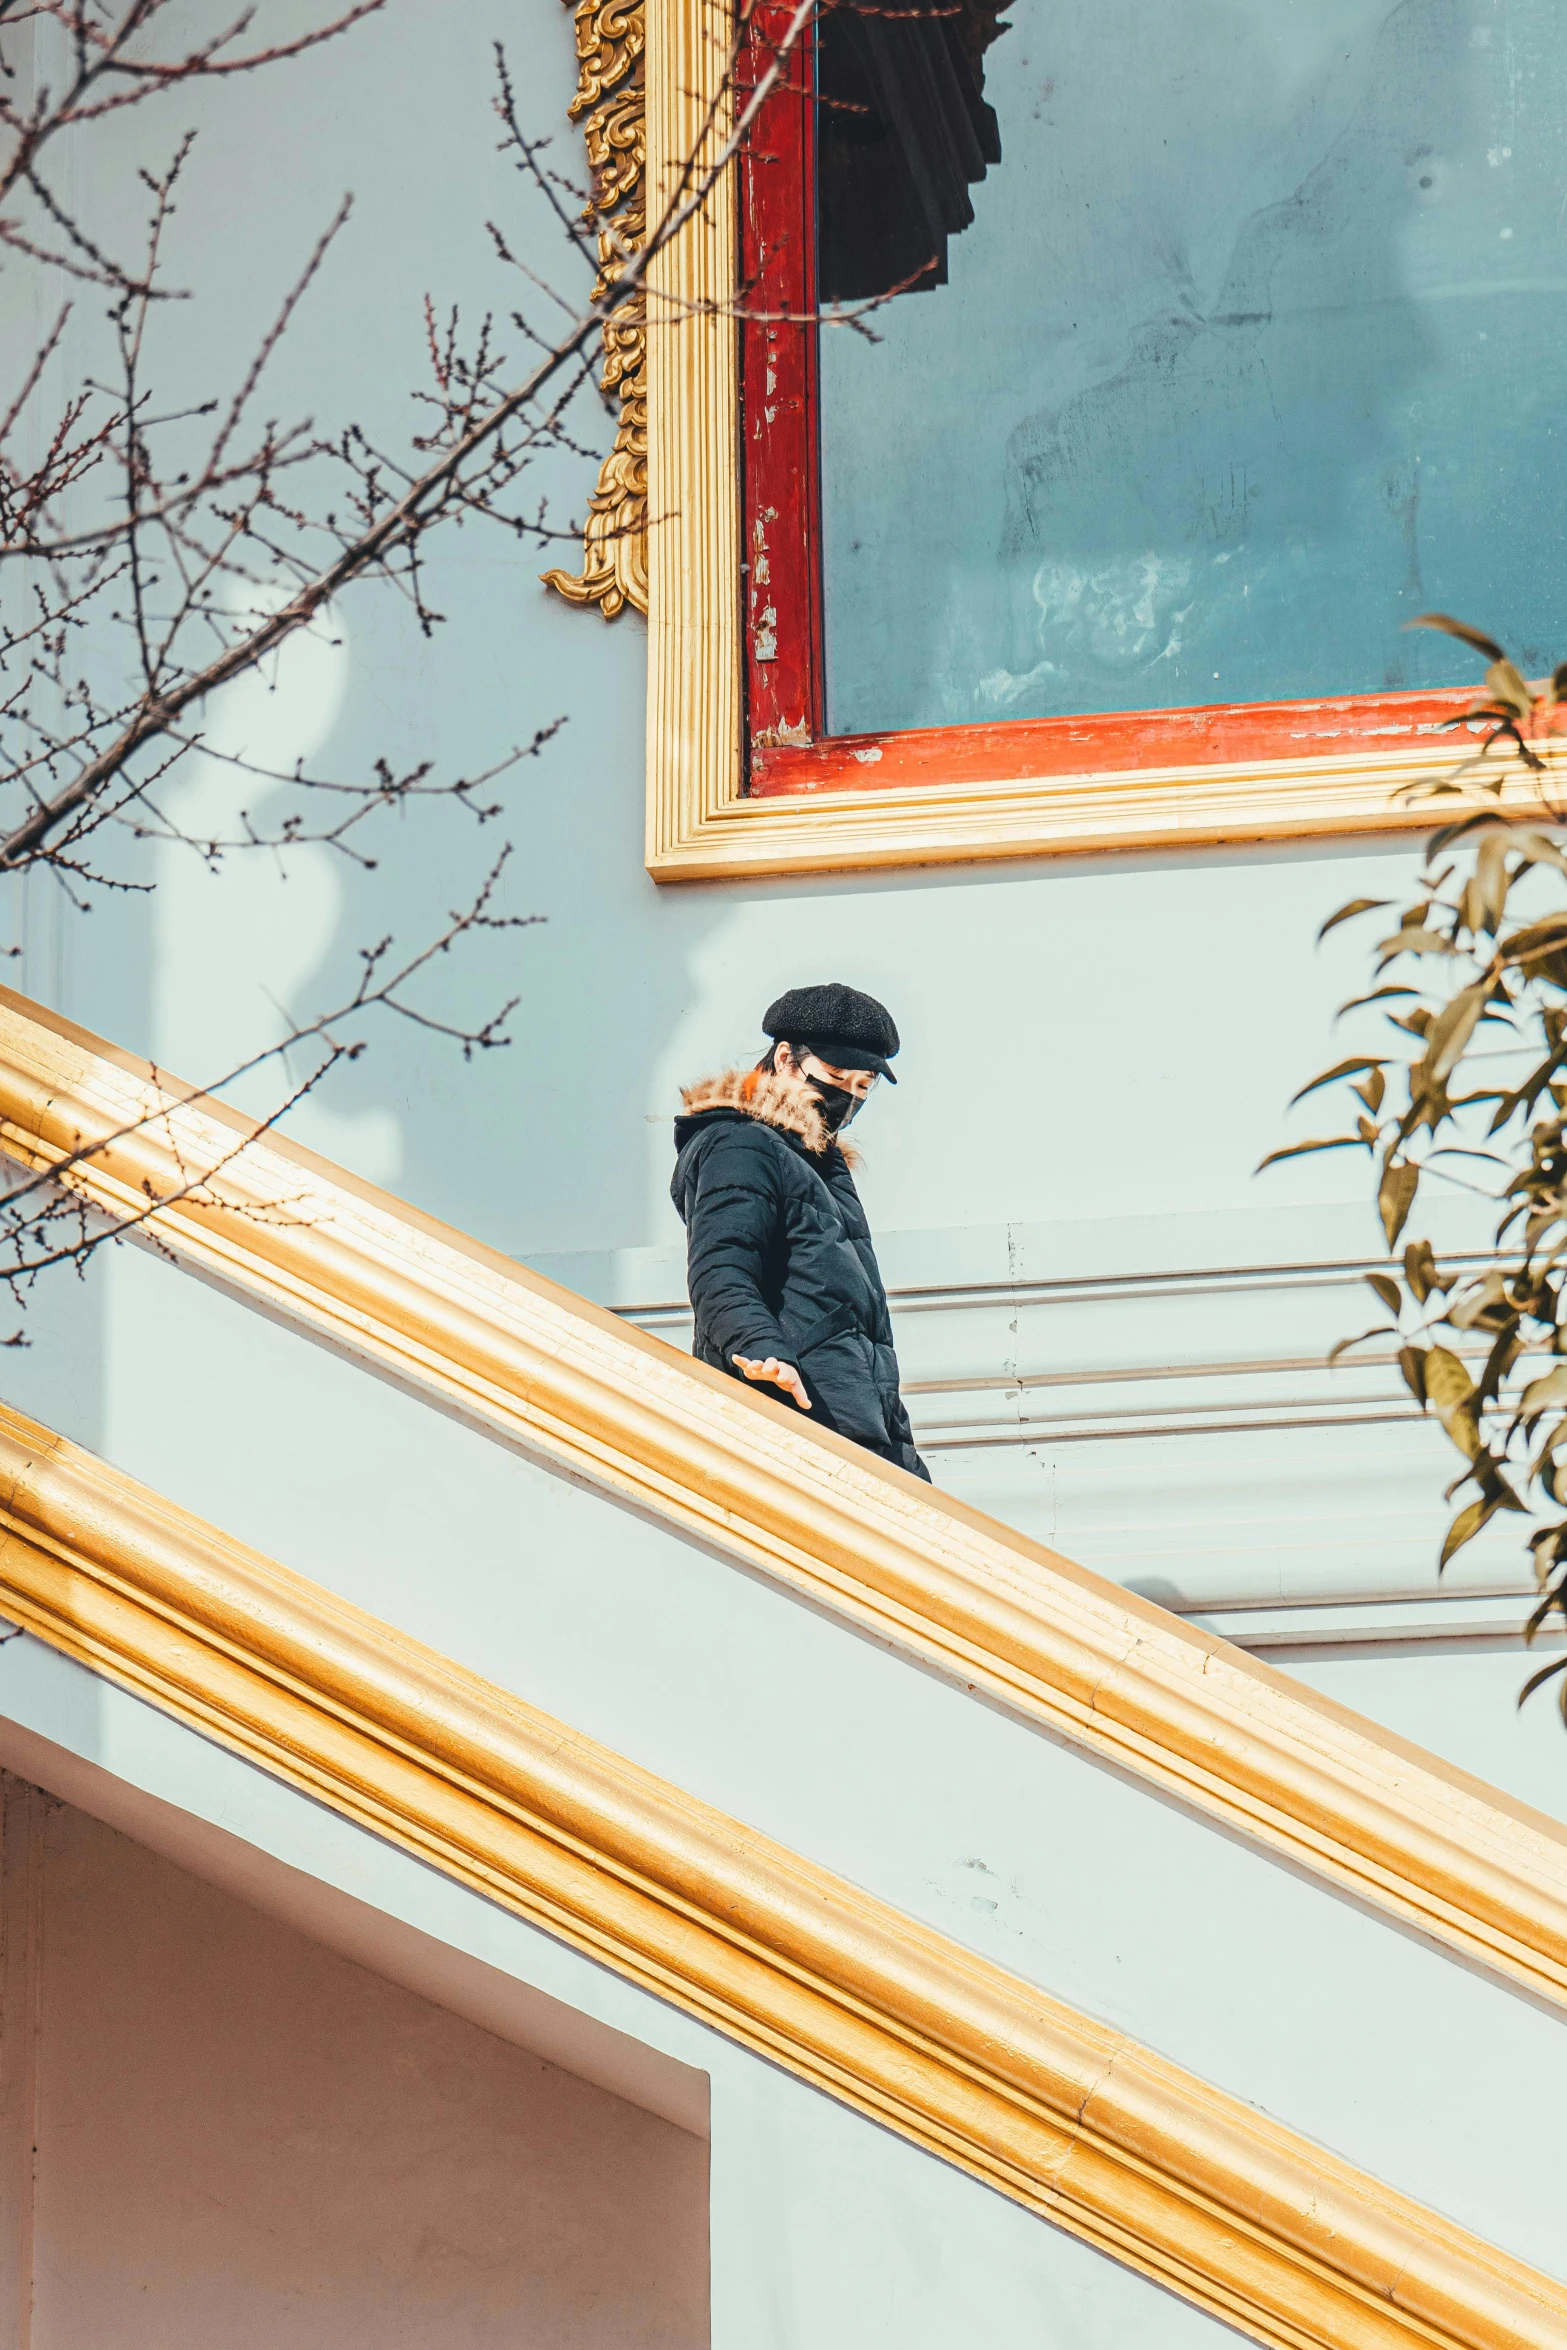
860	1082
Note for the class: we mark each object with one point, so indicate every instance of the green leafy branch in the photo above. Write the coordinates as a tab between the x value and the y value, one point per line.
1479	959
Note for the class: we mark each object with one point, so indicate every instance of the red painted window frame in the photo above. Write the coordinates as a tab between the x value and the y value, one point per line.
788	750
781	554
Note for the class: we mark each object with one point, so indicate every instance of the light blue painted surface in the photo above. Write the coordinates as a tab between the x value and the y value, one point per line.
1106	1041
1082	1039
1254	1977
828	2233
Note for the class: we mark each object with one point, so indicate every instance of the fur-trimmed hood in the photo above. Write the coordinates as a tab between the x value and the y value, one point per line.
759	1094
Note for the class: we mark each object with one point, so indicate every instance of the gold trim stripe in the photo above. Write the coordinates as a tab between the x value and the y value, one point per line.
695	694
1072	1654
702	828
1072	2119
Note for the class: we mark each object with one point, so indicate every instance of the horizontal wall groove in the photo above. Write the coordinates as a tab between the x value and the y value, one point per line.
1092	1428
1046	1401
1075	1655
1065	2115
1239	1281
1130	1374
1326	1395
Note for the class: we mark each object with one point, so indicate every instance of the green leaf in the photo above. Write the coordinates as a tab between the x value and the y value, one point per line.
1507	689
1396	1196
1535	849
1447	1384
1450	1392
1349	1068
1335	1142
1377	1330
1506	684
1418	941
1538	1616
1448	1036
1357	1002
1547	1546
1479	820
1387	1290
1412	1362
1348	913
1465	1527
1540	1394
1552	968
1463	1432
1455	1150
1536	938
1421	1271
1461	629
1539	1679
1478	1300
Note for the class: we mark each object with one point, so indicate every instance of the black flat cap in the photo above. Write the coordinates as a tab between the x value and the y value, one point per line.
838	1024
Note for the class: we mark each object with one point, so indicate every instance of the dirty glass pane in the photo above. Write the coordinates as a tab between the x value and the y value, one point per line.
1255	347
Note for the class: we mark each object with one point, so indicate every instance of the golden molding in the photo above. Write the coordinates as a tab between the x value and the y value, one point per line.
610	97
1076	1656
700	826
695	693
1148	2163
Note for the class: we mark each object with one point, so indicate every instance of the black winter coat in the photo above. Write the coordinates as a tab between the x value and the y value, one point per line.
780	1260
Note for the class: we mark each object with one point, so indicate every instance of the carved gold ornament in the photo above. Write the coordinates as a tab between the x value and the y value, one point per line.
610	95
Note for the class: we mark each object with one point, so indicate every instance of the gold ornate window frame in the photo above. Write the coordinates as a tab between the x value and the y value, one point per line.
673	520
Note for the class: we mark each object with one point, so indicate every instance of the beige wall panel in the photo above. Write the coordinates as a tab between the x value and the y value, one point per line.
245	2140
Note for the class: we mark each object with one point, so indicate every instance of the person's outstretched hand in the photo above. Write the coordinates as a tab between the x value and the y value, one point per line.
775	1374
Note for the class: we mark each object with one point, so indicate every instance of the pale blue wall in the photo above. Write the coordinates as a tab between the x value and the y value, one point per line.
1095	1049
1082	1038
1087	1043
1105	1040
828	2233
1256	1977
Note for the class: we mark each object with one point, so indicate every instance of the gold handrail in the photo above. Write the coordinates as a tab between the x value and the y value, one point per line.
1063	2114
1063	1649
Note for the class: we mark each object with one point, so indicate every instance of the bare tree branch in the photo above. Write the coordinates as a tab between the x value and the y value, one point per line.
155	551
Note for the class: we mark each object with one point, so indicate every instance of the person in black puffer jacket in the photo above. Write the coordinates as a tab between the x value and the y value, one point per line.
783	1277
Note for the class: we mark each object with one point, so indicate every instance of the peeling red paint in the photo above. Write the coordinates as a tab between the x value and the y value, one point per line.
1117	743
778	441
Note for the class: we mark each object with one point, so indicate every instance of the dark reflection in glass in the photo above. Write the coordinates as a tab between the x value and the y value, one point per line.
1253	350
903	131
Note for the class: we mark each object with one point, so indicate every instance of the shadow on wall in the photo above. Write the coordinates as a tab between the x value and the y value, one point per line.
240	2135
1017	1020
522	1145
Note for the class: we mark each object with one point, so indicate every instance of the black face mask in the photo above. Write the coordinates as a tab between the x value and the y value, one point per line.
836	1103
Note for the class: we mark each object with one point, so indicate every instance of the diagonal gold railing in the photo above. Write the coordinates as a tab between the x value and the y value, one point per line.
1152	2165
1182	1711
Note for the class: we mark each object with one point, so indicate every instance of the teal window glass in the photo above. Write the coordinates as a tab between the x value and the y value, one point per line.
1253	350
